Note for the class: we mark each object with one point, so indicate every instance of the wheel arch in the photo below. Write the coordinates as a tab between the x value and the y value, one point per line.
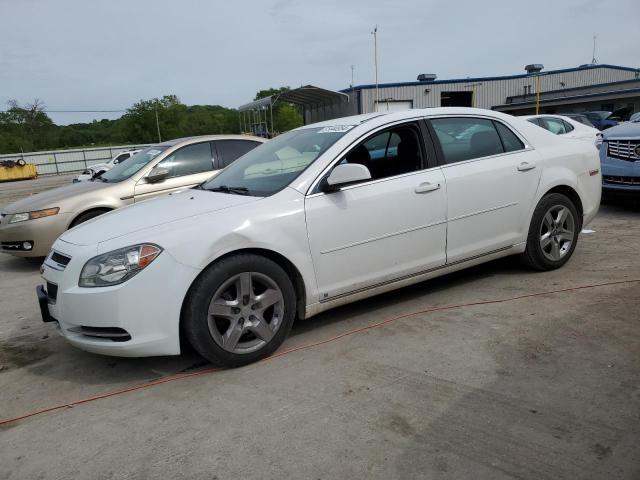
287	265
90	210
570	193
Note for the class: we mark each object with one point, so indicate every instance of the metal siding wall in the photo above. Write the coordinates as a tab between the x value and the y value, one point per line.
493	92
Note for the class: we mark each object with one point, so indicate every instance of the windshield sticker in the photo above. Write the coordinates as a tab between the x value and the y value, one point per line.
336	129
153	153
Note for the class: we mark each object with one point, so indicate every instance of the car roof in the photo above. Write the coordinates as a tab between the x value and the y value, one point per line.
201	138
381	117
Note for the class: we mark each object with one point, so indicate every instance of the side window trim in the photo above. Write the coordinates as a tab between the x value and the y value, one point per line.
215	155
417	123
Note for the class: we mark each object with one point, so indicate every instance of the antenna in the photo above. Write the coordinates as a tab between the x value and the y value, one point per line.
593	59
375	61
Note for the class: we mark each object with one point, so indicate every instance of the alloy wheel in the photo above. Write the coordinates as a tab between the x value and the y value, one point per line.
245	312
557	232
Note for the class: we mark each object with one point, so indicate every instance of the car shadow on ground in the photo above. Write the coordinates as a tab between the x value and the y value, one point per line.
21	265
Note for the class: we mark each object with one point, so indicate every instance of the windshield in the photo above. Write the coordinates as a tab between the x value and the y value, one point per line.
273	165
130	166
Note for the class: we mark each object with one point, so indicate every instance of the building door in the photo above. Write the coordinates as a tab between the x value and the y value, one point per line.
456	99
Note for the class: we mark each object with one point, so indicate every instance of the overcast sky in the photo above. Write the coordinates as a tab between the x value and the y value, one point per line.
106	55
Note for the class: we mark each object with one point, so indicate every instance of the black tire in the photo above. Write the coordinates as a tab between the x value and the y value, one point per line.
87	216
195	325
534	256
20	162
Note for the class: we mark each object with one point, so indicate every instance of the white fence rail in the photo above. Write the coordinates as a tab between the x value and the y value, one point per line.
58	162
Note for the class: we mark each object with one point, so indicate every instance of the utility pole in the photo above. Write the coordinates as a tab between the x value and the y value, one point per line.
375	62
593	57
158	125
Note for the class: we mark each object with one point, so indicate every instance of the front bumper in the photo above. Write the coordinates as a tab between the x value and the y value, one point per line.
41	232
138	318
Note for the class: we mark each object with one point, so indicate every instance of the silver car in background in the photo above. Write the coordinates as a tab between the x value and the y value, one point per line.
29	227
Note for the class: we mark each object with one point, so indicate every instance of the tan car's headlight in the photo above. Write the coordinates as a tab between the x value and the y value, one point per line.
23	217
118	266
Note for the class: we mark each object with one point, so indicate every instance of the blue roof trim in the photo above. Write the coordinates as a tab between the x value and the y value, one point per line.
486	79
607	84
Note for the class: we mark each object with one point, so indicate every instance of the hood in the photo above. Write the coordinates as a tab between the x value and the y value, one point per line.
620	112
51	198
152	213
627	130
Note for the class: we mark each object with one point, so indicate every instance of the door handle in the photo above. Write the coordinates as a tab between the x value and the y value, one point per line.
524	166
427	187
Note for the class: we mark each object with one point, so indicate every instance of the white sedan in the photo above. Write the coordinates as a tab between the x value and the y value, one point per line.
567	128
318	217
100	168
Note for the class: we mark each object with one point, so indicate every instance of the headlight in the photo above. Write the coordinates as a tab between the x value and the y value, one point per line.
21	217
118	266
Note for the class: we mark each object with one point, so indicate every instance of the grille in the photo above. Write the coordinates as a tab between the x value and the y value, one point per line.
60	259
115	334
623	149
57	261
52	292
621	180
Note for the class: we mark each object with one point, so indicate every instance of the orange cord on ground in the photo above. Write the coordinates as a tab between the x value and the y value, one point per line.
181	376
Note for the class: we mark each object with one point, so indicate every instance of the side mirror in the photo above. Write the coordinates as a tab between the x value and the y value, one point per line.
346	174
157	174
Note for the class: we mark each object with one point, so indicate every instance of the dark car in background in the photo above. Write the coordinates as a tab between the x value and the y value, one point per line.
620	158
602	119
579	117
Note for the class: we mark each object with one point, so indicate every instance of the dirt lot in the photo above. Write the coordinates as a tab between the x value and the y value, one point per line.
540	387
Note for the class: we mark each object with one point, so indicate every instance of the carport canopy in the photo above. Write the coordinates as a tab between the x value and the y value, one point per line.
254	114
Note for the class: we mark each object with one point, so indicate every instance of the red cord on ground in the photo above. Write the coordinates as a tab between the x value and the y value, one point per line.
181	376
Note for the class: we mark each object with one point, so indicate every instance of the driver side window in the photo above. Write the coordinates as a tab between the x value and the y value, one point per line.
196	158
389	153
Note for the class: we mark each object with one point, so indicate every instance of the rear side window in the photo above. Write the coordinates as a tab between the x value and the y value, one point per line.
567	126
554	125
467	138
121	157
231	150
510	142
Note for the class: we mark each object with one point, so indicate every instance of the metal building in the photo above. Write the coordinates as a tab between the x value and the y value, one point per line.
489	92
584	88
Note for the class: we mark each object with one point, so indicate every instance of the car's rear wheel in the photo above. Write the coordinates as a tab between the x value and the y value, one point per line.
239	310
553	233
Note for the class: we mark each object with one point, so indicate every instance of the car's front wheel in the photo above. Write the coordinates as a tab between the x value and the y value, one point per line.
239	310
553	233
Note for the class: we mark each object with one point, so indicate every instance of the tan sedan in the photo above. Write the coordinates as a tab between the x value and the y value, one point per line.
29	227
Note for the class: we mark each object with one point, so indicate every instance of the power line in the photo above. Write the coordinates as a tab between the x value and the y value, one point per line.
74	111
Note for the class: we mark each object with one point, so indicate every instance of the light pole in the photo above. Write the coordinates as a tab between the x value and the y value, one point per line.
473	86
158	125
375	62
537	94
